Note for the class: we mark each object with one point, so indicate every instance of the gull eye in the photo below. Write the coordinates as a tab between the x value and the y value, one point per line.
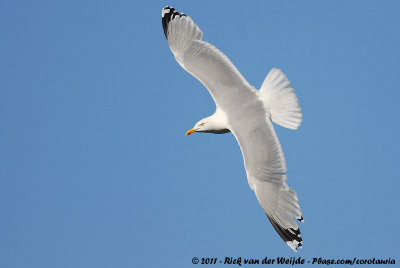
202	124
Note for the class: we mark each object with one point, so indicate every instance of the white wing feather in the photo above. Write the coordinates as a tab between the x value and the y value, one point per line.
203	60
266	172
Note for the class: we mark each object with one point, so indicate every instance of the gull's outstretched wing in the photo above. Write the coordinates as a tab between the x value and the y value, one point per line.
266	172
201	59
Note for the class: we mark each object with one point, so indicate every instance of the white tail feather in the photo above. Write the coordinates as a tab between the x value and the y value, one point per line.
280	100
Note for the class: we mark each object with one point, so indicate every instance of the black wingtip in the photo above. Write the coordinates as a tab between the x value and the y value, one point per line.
168	14
288	235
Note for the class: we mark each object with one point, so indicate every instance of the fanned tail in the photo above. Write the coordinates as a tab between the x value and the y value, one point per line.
280	100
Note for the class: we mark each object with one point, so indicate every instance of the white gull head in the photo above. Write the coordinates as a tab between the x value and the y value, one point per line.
216	123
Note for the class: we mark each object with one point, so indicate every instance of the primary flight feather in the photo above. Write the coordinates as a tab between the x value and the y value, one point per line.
247	113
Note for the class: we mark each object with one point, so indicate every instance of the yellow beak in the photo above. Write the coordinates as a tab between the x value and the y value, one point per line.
191	131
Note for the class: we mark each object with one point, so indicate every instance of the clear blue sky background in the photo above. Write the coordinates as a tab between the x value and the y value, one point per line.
95	167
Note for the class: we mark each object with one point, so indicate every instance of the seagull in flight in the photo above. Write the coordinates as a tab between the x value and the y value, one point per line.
248	113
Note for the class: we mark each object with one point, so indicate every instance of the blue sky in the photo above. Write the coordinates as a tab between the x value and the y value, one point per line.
95	167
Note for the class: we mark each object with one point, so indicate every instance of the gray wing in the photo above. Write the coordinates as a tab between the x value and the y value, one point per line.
266	172
201	59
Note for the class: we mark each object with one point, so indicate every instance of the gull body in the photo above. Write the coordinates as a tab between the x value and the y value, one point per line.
248	113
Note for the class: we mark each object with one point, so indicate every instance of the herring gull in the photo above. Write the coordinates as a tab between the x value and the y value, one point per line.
247	113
